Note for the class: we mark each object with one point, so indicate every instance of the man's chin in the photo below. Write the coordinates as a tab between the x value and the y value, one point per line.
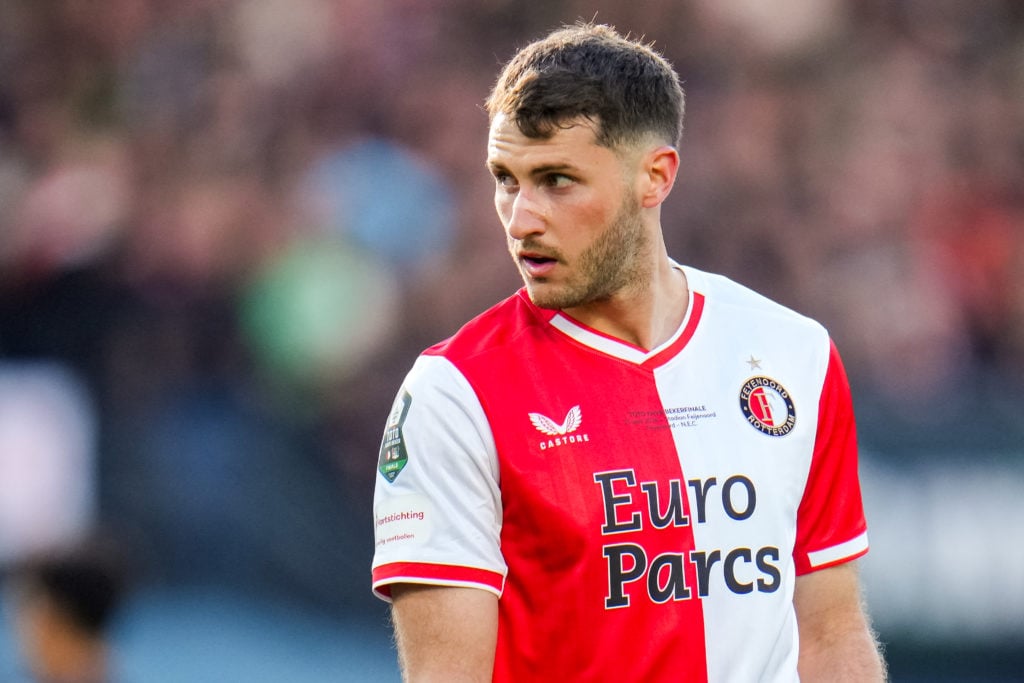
544	303
545	296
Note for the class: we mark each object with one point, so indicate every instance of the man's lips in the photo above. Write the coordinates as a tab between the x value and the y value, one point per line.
537	264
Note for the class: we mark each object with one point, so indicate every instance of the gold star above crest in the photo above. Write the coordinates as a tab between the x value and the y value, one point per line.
754	363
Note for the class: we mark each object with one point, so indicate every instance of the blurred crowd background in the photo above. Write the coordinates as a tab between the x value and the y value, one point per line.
227	227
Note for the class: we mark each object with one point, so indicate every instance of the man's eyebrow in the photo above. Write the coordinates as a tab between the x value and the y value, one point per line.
551	168
561	167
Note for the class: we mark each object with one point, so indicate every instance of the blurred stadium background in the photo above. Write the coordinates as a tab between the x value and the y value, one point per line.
227	227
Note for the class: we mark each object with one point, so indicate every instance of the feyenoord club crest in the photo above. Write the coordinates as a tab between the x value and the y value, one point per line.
767	406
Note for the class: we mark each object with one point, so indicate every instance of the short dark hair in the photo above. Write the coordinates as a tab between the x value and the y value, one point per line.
591	71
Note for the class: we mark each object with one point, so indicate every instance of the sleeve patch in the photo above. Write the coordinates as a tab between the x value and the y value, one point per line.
405	520
393	454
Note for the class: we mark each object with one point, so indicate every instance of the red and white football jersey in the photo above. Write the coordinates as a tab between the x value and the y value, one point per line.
641	514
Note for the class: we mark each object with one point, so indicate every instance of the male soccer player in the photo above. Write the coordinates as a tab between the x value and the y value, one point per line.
630	470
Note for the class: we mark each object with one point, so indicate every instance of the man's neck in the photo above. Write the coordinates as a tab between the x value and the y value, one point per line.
646	316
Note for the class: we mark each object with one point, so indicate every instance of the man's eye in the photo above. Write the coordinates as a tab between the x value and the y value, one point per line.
558	180
504	180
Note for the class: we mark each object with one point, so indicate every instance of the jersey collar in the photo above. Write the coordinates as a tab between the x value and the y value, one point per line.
617	348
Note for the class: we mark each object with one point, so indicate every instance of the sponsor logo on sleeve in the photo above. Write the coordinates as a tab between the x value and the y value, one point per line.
405	520
767	406
393	454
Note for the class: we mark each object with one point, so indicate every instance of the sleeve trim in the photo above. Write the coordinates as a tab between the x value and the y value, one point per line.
849	550
434	574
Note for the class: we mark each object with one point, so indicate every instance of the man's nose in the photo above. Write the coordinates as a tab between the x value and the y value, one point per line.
527	217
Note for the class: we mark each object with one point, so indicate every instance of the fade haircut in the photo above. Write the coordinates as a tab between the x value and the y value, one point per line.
590	71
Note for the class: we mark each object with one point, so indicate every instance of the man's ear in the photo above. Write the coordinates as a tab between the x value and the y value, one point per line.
660	166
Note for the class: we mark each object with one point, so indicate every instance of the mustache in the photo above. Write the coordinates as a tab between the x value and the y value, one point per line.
533	248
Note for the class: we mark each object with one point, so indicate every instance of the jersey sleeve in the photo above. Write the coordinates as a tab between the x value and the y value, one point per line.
831	528
437	504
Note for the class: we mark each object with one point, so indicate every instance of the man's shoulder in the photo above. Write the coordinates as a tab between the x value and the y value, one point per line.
493	330
731	298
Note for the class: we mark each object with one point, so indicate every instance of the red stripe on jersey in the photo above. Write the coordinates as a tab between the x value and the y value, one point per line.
684	338
435	574
831	512
653	361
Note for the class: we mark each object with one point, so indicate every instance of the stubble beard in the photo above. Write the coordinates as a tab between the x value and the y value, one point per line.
613	263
